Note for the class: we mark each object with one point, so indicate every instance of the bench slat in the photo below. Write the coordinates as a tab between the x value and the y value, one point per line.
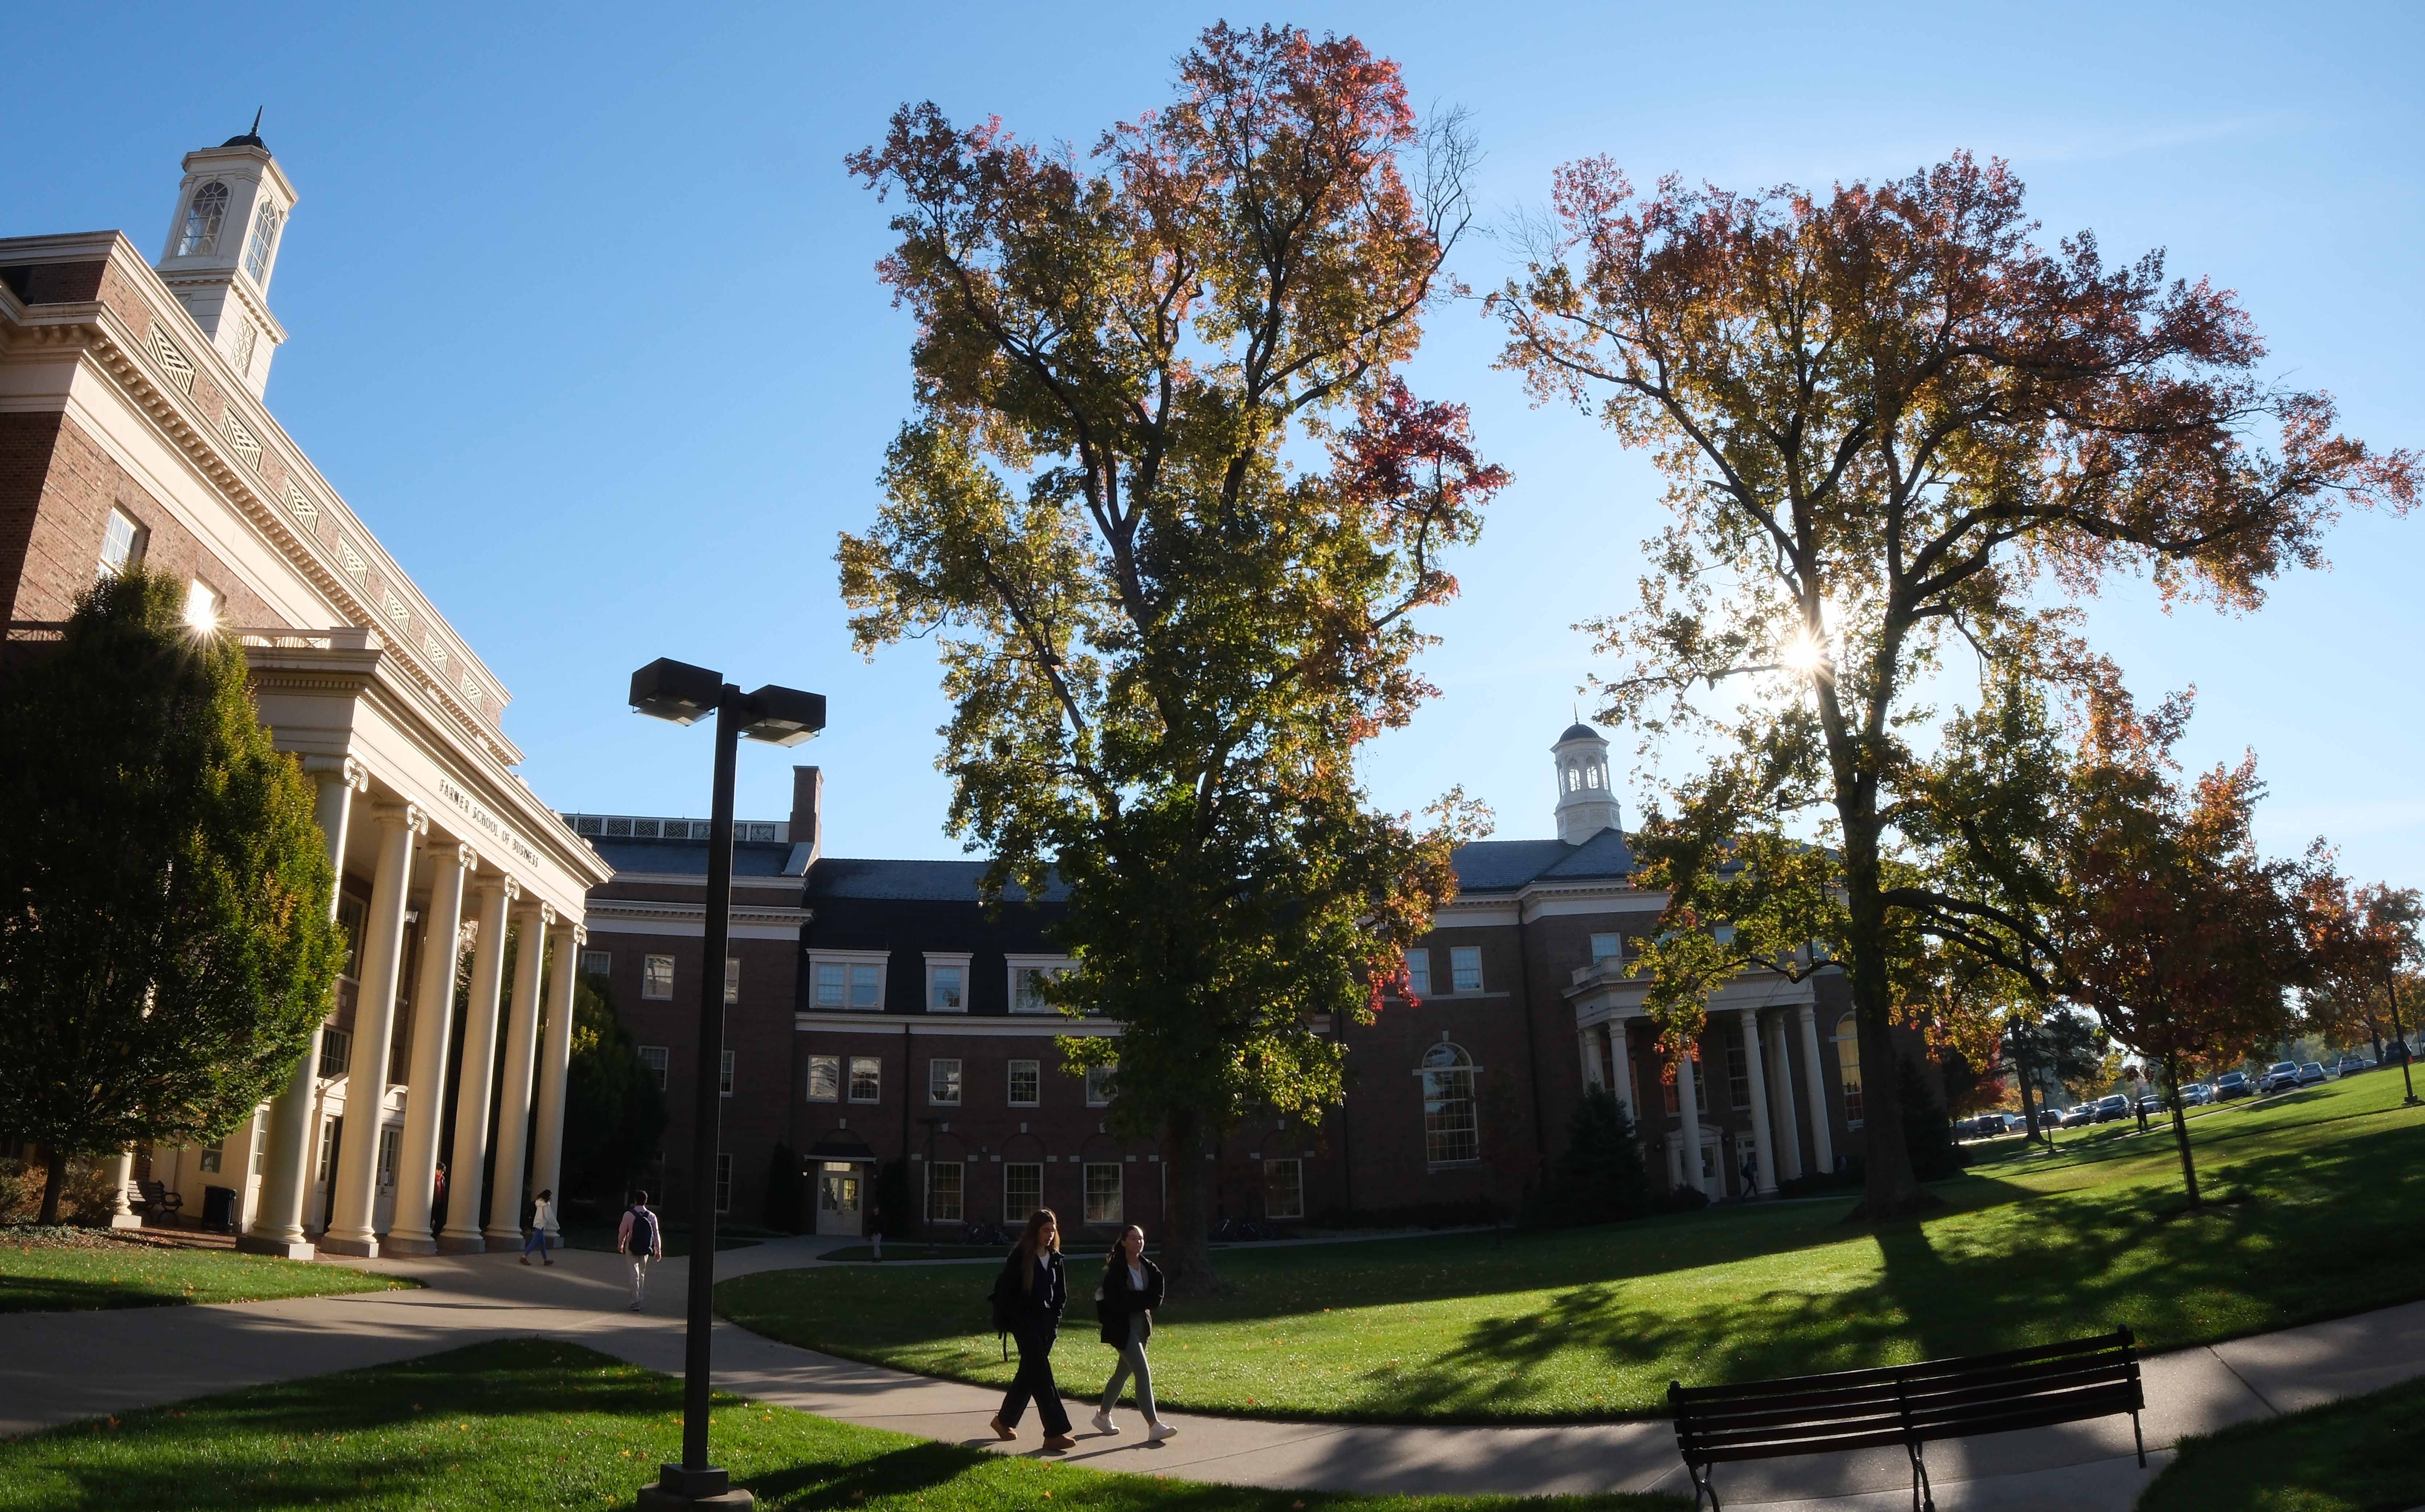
1945	1391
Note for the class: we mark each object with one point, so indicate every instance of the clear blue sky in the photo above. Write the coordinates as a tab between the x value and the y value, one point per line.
583	320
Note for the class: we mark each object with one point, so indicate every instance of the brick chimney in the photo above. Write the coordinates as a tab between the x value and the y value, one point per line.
808	803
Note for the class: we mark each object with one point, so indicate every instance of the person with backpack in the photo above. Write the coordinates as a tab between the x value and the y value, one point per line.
1124	1304
1028	1298
643	1238
537	1239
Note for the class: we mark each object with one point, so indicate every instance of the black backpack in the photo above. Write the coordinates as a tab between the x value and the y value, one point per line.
644	1232
999	1300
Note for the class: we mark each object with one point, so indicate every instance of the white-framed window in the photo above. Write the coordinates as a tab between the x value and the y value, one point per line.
1028	976
845	981
657	977
391	1146
260	1145
203	604
1848	1067
328	1146
1101	1080
1738	1068
946	1195
596	963
943	1083
353	919
825	1079
205	217
1464	968
1452	1124
1103	1191
336	1051
213	1156
724	1075
731	981
1419	972
1284	1189
947	984
121	544
866	1079
264	240
654	1058
722	1184
1023	1190
1609	947
1026	1083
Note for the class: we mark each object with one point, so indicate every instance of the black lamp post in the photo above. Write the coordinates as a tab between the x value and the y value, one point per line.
667	689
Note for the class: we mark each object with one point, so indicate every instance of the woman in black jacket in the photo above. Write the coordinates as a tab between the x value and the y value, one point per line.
1132	1290
1028	1297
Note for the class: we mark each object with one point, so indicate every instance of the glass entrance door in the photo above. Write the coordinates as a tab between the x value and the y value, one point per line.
837	1197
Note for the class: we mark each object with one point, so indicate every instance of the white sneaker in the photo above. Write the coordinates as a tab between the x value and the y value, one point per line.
1158	1432
1103	1424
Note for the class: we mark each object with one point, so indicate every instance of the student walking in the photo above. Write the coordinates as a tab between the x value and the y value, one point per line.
1028	1297
540	1211
643	1238
1124	1303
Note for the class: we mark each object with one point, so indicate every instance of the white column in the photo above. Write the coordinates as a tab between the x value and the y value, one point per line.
1587	1047
1620	1072
1781	1114
433	1028
1688	1103
121	1213
505	1226
286	1162
554	1061
350	1231
462	1232
1822	1149
1754	1054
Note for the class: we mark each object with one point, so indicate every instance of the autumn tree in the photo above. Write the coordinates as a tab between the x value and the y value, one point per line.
1166	511
2367	952
166	943
1892	424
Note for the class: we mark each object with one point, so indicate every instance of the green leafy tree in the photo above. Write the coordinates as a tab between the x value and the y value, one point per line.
166	946
1599	1177
2051	1044
1891	422
1168	514
613	1114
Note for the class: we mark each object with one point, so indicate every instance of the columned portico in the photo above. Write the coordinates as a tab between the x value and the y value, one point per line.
433	1023
351	1227
1688	1104
463	1185
1780	1084
1764	1155
503	1229
1822	1149
554	1063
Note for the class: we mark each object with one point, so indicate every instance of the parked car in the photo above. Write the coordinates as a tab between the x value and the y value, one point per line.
2312	1074
2152	1105
2351	1065
2231	1085
2074	1117
2281	1076
2197	1095
2116	1106
2394	1054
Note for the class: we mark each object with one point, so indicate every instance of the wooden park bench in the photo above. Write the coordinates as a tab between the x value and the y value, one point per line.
152	1200
1909	1406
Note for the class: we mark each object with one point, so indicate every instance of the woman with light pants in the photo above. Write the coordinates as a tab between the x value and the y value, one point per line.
1131	1289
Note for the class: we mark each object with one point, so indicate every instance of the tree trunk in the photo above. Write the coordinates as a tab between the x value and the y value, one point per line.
1888	1189
54	1180
2181	1128
2028	1106
1186	1247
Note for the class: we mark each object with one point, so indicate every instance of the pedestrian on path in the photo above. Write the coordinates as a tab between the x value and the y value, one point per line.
539	1213
643	1238
1124	1304
1028	1297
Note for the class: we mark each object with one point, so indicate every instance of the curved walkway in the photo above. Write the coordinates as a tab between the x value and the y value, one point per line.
55	1367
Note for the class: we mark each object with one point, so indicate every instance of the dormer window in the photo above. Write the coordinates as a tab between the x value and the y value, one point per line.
264	240
203	219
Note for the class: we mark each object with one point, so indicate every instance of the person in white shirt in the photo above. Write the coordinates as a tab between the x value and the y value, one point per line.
541	1210
1124	1304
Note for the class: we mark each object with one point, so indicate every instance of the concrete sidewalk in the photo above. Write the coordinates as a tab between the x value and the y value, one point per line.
56	1367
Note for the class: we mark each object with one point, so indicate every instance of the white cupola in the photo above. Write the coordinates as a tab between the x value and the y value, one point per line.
222	246
1586	804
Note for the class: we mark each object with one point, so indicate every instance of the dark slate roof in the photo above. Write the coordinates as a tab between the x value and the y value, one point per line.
1579	732
1504	865
846	876
750	858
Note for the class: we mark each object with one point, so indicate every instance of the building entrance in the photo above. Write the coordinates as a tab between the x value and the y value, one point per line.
837	1197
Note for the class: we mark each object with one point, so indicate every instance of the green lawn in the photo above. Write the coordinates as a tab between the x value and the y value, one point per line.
40	1278
580	1235
1594	1323
2364	1455
893	1251
536	1422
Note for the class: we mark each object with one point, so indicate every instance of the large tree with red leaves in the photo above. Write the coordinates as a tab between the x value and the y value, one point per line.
1166	512
1892	421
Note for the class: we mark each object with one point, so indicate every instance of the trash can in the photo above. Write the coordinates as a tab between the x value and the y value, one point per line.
218	1208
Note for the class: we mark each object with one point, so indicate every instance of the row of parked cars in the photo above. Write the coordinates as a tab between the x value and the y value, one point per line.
2282	1076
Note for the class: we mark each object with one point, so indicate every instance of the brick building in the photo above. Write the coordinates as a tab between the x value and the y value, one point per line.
878	1013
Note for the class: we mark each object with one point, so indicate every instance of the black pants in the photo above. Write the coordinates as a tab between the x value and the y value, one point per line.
1035	1378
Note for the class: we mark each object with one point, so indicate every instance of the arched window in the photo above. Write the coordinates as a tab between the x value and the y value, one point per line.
1593	779
264	239
1451	1129
1848	1067
203	219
